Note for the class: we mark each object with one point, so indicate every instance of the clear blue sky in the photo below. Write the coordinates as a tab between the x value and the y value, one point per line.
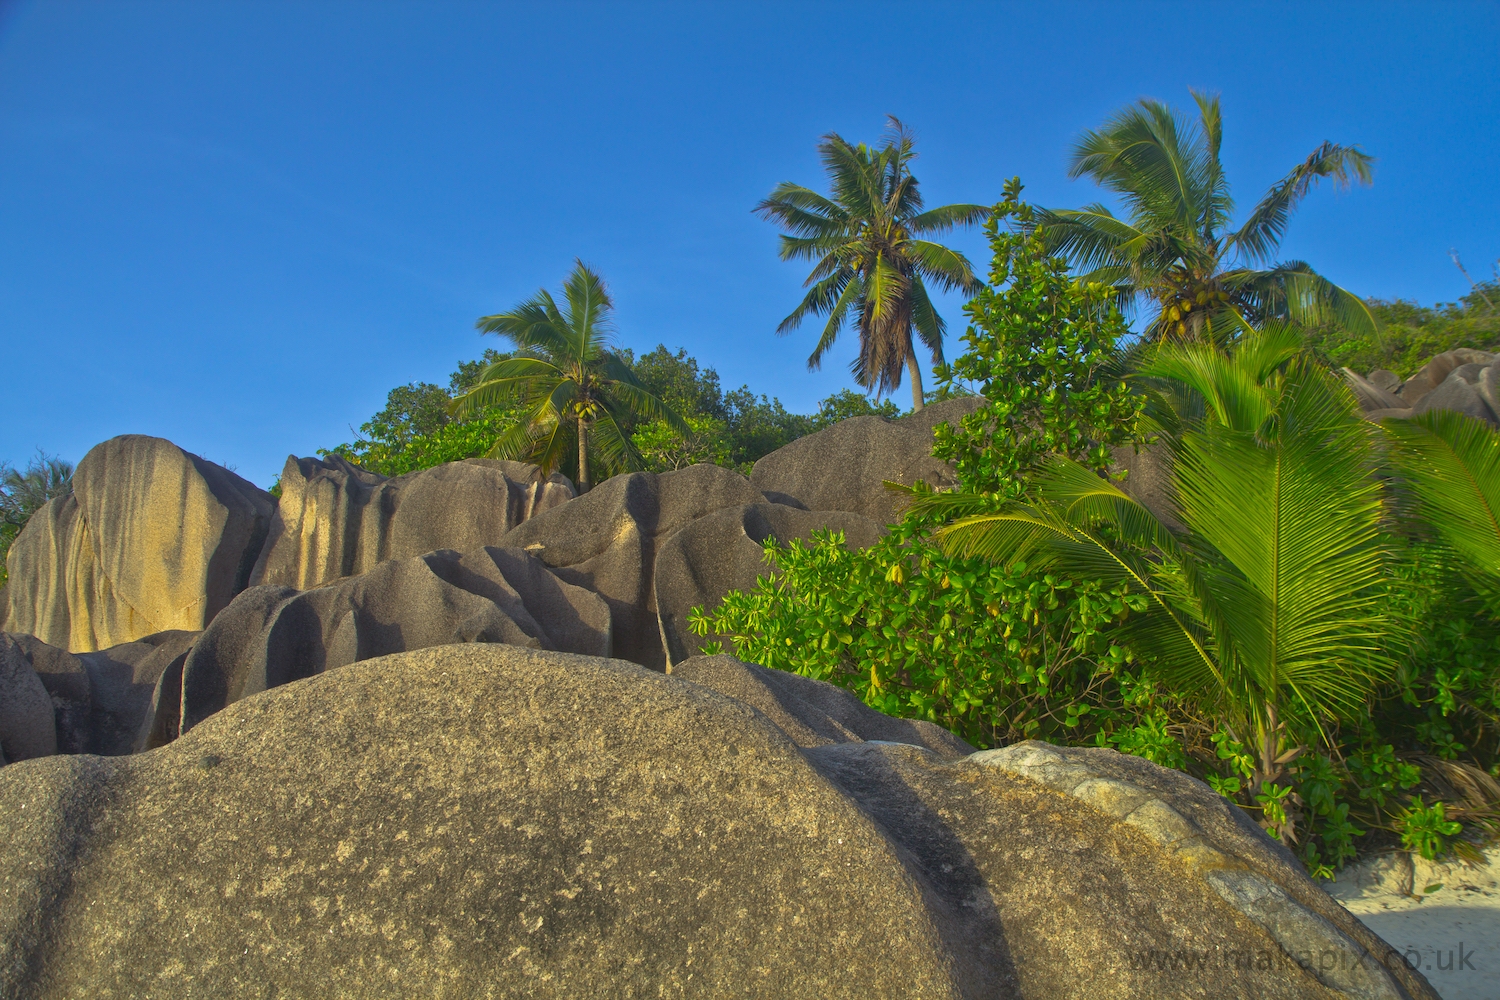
238	225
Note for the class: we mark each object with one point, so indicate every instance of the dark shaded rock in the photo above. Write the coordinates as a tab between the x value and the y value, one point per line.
151	539
1377	415
1387	380
722	551
272	636
844	467
1437	370
1371	396
104	701
813	713
336	520
26	725
1458	393
607	540
500	821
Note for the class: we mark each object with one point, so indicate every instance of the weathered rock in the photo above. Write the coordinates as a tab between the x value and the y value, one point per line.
722	551
812	713
103	701
336	520
1148	479
1438	369
844	467
1460	393
1378	415
1370	395
607	541
274	635
151	539
486	820
26	726
1389	381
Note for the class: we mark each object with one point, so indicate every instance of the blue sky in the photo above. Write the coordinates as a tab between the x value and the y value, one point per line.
238	225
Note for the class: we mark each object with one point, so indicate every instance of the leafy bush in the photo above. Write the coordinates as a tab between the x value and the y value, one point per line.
999	652
993	653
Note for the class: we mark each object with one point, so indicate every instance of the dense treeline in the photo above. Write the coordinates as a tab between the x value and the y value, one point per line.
733	428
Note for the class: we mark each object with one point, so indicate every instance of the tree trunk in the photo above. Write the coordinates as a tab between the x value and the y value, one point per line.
916	381
583	456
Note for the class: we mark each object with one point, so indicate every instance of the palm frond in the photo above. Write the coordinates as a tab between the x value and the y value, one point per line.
946	217
947	267
1452	462
1262	232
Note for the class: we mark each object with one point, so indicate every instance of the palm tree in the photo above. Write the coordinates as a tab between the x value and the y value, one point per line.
1175	250
574	391
1452	464
869	258
1262	598
22	494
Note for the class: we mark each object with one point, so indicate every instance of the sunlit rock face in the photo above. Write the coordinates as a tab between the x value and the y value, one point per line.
506	821
151	539
336	520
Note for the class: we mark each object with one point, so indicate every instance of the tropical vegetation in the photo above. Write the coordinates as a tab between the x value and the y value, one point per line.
1175	252
24	492
576	396
1308	621
872	264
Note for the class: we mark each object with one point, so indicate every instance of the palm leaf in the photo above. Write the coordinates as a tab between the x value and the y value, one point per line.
1452	463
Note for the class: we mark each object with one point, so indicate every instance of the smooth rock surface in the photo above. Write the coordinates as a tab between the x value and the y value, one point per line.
722	551
26	724
1437	370
489	820
1459	392
151	539
812	713
1370	395
272	636
607	541
1389	381
844	467
336	519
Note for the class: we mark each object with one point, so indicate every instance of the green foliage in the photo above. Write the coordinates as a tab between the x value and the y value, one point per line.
1175	251
577	396
22	494
1043	348
994	651
1409	335
1425	829
872	266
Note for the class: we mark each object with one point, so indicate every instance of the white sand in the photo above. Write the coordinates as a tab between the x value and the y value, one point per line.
1452	934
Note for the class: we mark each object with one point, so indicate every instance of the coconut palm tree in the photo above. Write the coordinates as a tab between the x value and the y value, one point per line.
1263	593
576	394
1175	249
871	262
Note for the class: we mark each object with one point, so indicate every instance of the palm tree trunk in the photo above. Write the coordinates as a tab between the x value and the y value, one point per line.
583	456
916	381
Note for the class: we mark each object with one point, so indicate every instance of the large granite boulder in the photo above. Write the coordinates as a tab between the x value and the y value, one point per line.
336	520
1463	391
1370	395
608	539
724	551
26	722
104	702
490	820
271	636
151	539
844	467
1437	370
812	713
